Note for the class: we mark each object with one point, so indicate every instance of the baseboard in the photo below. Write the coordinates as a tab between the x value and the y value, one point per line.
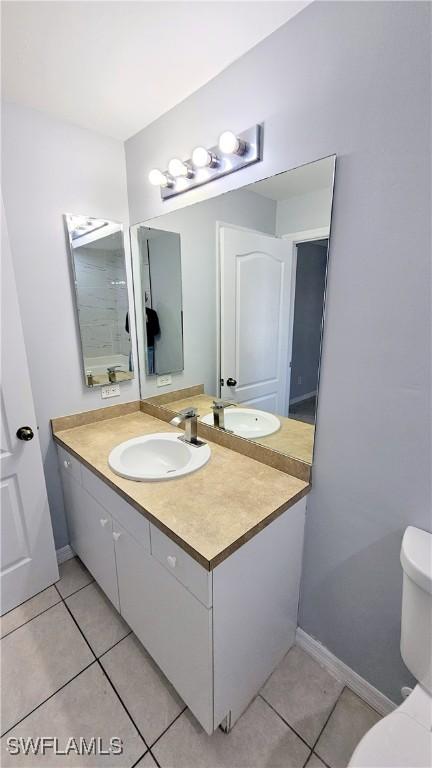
345	674
65	553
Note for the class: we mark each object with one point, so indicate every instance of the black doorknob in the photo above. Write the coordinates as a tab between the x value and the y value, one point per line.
231	382
25	433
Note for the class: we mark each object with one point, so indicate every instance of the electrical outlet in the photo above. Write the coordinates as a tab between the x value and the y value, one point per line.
299	379
111	390
163	381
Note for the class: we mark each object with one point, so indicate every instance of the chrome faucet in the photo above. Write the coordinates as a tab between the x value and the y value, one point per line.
188	417
112	373
218	409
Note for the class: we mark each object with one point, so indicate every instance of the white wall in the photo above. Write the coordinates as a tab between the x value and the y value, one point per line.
197	228
51	168
309	211
349	78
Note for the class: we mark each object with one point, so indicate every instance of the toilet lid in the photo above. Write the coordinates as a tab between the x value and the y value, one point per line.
397	741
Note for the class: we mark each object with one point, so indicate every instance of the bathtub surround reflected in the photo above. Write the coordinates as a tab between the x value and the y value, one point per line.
98	261
254	265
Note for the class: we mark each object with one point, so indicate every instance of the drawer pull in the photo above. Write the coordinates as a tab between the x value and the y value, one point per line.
171	561
116	535
67	463
103	521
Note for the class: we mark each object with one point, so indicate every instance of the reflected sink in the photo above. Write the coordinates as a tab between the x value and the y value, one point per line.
160	456
247	422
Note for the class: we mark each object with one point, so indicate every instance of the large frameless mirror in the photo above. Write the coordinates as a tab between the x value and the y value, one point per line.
254	265
99	271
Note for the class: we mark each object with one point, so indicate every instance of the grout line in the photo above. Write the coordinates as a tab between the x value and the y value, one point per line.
108	678
29	620
49	697
286	723
123	704
325	725
320	758
116	643
65	597
154	758
28	600
168	727
140	758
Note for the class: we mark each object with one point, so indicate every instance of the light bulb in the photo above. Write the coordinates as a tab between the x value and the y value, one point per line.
230	144
155	177
202	158
159	179
178	168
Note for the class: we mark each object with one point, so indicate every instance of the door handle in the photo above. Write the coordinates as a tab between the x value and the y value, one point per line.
25	433
231	382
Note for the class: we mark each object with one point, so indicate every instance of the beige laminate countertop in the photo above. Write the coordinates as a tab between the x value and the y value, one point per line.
209	513
294	438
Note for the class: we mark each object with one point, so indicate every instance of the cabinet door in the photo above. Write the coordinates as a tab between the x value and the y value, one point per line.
91	535
174	627
255	604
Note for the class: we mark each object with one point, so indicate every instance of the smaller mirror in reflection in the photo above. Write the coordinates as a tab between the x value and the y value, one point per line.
159	311
98	259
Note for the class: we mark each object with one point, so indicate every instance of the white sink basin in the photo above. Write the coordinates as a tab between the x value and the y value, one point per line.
161	456
247	422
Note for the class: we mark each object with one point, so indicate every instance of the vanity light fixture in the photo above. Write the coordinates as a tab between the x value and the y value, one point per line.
177	168
234	151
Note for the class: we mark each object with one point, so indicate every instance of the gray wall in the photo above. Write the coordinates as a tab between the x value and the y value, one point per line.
308	307
50	168
350	78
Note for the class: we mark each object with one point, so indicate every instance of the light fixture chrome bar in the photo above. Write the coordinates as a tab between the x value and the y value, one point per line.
227	163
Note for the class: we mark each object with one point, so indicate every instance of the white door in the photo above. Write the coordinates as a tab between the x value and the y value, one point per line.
28	558
256	275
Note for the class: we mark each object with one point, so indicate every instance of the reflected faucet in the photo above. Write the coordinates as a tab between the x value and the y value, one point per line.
188	416
218	409
112	373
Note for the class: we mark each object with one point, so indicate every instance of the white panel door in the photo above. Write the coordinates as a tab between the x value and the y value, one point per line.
28	559
256	275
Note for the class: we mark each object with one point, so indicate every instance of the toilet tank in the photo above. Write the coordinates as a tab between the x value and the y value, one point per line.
416	630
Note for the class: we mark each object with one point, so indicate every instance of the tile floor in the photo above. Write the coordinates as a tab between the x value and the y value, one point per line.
71	667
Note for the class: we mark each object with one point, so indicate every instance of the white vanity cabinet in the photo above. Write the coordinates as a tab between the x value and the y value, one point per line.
216	635
90	528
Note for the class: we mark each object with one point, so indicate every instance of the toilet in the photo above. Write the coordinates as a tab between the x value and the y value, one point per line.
403	739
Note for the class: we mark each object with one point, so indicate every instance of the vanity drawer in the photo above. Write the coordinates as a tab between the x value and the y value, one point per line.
69	464
190	573
129	517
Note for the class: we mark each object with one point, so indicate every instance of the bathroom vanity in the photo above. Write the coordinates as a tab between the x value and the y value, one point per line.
204	568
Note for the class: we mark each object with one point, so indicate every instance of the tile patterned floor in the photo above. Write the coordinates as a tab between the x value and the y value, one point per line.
72	667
